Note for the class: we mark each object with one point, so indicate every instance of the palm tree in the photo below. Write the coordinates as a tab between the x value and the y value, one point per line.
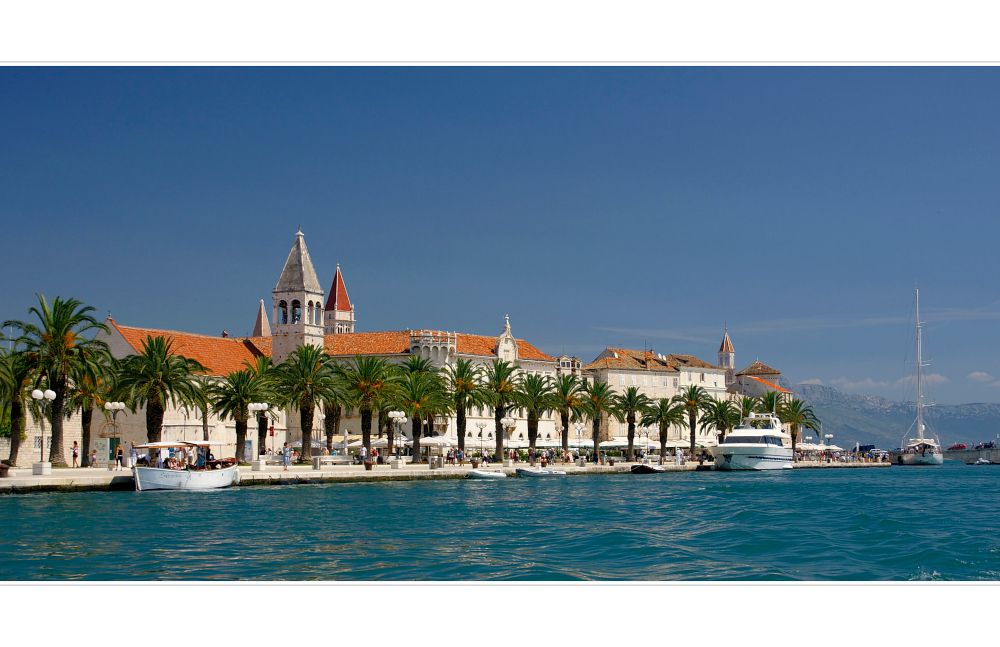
694	400
417	394
333	409
770	402
155	377
664	413
89	391
231	398
16	376
366	379
747	405
57	347
463	385
423	366
501	385
537	397
306	378
598	400
629	404
567	390
264	372
721	415
798	414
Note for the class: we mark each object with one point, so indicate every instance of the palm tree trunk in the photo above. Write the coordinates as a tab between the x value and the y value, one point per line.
331	425
241	440
597	434
366	429
415	430
154	420
663	440
56	455
631	438
16	425
564	418
793	442
532	431
204	424
86	417
691	421
460	424
498	415
306	423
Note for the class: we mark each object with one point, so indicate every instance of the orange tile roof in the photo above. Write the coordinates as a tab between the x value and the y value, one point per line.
637	360
758	368
727	344
773	386
367	343
338	294
483	345
220	355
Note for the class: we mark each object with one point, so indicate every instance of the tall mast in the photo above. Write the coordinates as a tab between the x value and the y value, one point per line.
920	401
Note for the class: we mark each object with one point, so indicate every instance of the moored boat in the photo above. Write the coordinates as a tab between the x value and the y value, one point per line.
921	449
484	474
528	471
192	468
757	443
642	468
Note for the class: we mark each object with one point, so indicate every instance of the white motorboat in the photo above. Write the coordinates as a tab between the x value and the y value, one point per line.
983	461
757	443
538	471
484	474
179	473
920	449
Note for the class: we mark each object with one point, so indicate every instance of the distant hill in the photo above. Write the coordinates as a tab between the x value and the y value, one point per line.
869	419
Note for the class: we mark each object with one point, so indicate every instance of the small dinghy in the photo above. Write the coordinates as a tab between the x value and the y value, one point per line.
522	471
983	461
647	469
484	474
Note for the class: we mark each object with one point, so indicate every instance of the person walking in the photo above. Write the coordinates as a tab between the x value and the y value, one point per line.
76	454
93	458
286	455
133	456
119	457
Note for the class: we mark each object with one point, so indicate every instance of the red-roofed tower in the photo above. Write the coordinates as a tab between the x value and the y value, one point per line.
727	359
339	315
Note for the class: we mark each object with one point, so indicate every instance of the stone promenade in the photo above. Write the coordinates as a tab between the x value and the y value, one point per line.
21	480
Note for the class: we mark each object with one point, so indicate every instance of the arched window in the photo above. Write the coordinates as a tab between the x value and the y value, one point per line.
296	312
282	312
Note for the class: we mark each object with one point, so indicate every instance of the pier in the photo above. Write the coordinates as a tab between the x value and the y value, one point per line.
21	480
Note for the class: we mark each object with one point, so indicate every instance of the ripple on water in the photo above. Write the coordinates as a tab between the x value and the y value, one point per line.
885	524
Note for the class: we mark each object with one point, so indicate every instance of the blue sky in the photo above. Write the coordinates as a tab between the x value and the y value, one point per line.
595	206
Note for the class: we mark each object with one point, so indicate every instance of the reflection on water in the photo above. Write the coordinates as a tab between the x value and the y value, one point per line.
877	524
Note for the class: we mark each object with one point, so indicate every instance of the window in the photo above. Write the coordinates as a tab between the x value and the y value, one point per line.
644	380
654	381
282	312
621	380
702	377
675	382
296	312
633	380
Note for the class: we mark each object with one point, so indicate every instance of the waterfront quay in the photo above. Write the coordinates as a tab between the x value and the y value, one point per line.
21	481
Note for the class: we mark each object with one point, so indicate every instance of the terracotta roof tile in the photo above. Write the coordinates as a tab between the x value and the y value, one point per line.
773	386
338	294
727	344
485	345
367	343
637	360
757	368
220	355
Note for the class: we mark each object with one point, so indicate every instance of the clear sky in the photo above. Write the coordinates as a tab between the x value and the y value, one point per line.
596	206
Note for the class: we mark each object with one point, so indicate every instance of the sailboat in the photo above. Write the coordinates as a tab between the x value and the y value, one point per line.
920	449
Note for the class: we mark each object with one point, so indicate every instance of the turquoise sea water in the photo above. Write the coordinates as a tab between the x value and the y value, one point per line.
850	524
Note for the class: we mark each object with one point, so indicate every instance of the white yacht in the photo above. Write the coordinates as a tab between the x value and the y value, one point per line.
758	443
191	468
920	449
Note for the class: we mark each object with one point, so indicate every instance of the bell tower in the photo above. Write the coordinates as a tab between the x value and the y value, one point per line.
298	304
727	359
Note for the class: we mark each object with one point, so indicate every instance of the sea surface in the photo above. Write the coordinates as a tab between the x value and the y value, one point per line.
899	523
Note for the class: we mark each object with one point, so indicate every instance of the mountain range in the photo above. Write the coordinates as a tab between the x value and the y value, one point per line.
870	419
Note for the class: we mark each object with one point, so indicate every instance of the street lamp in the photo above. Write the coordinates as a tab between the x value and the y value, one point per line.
44	399
114	408
508	425
398	419
482	427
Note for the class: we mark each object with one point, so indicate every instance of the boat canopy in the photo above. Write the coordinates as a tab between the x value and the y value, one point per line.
167	444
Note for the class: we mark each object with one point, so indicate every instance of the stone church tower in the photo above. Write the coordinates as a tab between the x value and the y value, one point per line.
727	359
338	315
298	304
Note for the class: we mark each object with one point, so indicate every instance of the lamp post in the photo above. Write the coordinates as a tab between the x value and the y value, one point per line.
114	408
482	426
44	399
398	420
508	425
579	437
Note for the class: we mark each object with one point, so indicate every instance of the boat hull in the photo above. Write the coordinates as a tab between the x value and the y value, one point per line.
484	474
751	457
538	473
152	478
921	459
647	469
